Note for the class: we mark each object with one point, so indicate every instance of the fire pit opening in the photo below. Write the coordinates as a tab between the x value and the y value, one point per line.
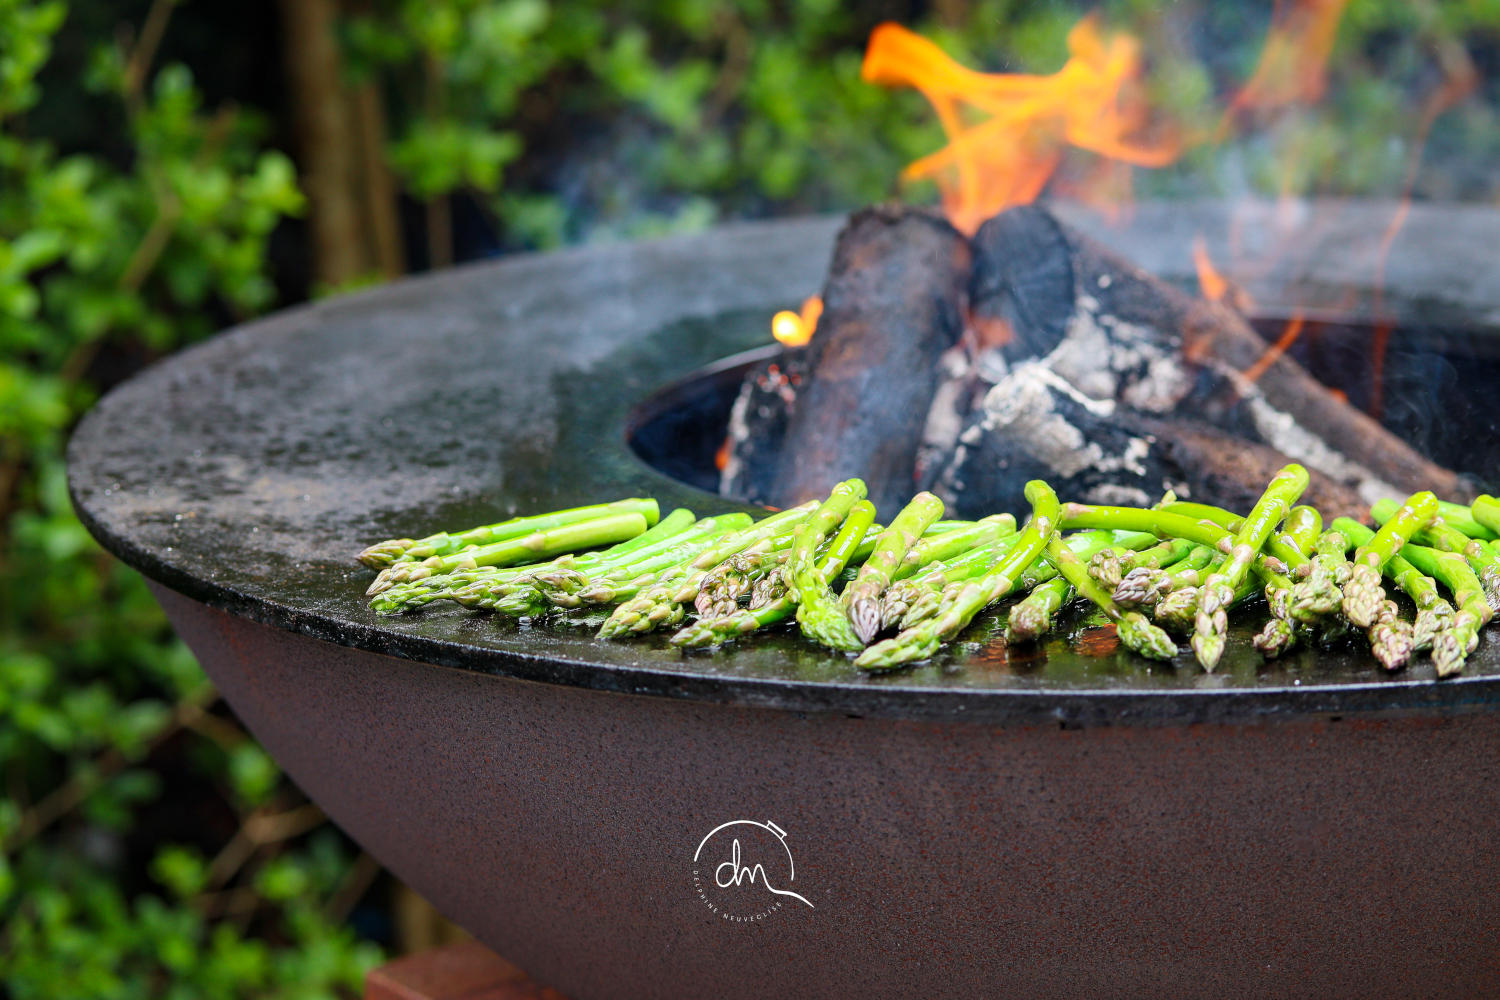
1437	394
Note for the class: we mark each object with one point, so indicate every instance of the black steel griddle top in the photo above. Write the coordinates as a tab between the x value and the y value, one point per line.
245	472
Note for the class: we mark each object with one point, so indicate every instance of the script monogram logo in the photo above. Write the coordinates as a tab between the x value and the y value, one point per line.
742	870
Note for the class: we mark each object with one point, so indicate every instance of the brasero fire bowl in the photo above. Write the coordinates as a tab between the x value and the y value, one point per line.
1067	821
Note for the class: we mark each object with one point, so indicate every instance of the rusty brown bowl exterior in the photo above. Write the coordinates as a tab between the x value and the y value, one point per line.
1318	857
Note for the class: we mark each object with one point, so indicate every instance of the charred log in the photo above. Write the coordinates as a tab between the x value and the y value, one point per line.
892	306
1115	333
1030	424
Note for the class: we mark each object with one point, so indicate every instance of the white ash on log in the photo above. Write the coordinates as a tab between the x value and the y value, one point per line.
1116	335
1028	422
891	307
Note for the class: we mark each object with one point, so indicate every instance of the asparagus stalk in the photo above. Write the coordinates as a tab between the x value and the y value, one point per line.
902	595
734	577
560	581
772	587
1482	558
382	554
1414	569
616	580
714	631
1145	586
949	545
862	597
1177	611
820	614
1031	617
1218	591
1111	565
1320	592
1486	511
1363	594
1135	629
759	537
651	608
1085	544
1298	535
661	603
1166	524
921	642
1392	639
488	585
1451	646
624	581
1277	545
1464	519
535	547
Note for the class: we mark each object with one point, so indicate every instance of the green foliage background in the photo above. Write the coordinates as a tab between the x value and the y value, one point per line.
147	846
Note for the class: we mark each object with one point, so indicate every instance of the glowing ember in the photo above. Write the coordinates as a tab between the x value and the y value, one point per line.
796	329
1026	122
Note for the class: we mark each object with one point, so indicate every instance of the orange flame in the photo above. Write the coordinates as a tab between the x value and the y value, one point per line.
1293	65
1288	337
1007	157
796	328
1211	283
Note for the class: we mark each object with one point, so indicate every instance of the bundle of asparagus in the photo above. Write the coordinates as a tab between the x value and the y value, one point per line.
1176	568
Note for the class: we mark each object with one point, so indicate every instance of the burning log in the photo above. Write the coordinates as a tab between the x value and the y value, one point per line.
1049	300
892	306
1080	369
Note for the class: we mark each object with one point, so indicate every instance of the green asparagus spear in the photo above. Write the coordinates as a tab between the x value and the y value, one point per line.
1085	544
1451	643
921	642
1483	559
620	582
1145	586
712	632
1031	617
820	614
1465	520
862	597
1277	545
1166	524
1135	630
488	585
1320	592
1451	646
1486	511
535	547
1434	613
902	595
1211	625
383	554
561	580
949	545
1297	537
760	536
660	604
1363	594
1110	566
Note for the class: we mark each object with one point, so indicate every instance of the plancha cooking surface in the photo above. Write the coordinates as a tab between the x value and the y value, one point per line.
247	471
